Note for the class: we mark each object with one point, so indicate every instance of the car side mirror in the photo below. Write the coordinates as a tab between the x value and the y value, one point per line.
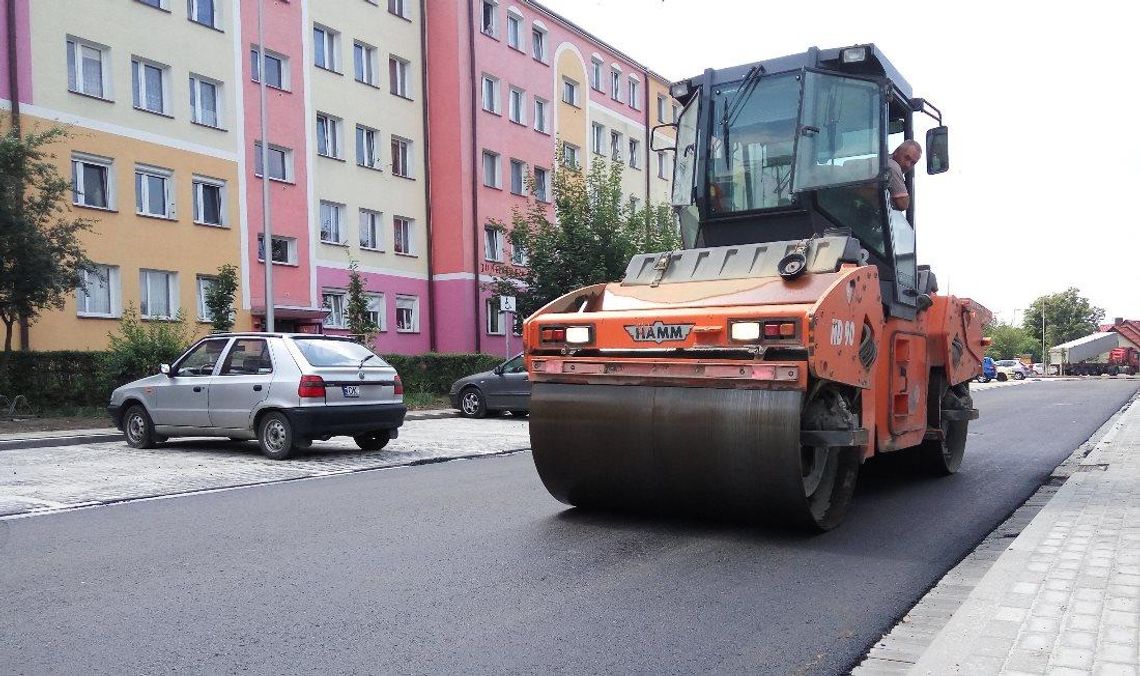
653	138
937	150
164	369
499	370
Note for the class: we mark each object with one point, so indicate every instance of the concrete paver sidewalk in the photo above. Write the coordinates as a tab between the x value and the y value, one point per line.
1064	598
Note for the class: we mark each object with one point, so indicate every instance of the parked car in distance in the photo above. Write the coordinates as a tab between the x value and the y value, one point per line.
1012	368
504	388
989	371
283	389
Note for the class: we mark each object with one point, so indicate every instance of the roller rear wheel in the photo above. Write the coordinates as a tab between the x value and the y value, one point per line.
943	457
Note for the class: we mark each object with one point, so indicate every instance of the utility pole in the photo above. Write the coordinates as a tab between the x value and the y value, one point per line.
267	229
1044	354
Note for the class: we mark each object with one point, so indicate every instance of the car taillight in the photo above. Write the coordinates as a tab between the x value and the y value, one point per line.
311	386
398	386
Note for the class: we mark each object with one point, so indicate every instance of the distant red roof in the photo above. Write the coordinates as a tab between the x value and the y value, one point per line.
1129	328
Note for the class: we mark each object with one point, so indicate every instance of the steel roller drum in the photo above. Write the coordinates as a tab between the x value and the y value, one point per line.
724	453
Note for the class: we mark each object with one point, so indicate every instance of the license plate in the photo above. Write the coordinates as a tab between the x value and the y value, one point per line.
350	391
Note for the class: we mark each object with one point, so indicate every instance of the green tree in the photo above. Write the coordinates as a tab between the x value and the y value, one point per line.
41	256
357	316
220	298
1010	341
591	238
1068	315
140	347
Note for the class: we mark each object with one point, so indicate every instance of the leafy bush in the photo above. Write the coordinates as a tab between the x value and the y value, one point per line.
435	372
52	381
142	346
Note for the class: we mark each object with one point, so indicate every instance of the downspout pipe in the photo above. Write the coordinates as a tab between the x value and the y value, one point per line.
427	178
474	173
14	96
648	142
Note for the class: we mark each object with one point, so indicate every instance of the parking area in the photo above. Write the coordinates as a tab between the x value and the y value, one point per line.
56	478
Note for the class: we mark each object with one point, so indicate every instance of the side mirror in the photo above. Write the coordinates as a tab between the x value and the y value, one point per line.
653	137
164	369
499	370
937	150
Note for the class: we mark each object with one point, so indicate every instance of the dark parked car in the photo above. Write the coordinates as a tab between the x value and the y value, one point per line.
504	388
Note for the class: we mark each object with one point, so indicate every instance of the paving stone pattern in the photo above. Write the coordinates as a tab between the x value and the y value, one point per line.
65	477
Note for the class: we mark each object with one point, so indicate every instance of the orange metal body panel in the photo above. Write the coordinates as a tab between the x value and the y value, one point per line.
836	323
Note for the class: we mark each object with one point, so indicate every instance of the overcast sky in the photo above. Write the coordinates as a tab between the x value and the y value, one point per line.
1042	104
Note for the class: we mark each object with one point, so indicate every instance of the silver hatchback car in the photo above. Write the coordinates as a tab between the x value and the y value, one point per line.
283	389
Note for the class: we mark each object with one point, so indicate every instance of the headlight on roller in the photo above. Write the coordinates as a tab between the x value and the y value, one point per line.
744	331
577	335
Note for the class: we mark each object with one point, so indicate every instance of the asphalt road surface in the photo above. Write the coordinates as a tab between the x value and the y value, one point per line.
469	566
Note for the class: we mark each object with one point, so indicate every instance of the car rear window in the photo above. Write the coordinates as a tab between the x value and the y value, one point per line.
326	352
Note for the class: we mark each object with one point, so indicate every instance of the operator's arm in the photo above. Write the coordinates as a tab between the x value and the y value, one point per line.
896	184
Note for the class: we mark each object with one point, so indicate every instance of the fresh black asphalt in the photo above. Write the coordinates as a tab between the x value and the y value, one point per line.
470	567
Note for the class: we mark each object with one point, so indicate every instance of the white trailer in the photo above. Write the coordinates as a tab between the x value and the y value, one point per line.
1081	356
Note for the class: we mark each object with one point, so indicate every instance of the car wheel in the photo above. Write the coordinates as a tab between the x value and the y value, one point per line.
373	441
520	414
1001	378
472	404
1018	375
138	428
275	434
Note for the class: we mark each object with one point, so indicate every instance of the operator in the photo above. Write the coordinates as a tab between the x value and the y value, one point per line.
901	162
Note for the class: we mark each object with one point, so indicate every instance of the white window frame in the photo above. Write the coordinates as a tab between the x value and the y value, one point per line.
371	221
489	92
571	156
411	304
202	284
365	70
198	183
378	308
542	184
634	153
516	105
362	137
662	165
596	66
541	113
192	13
597	136
407	225
290	249
615	84
399	75
139	94
515	32
662	102
329	42
287	161
75	80
332	137
335	300
255	67
401	149
634	93
171	290
489	18
538	44
196	110
398	8
157	4
570	92
617	141
143	189
493	248
518	173
331	221
492	165
496	320
519	255
114	291
78	194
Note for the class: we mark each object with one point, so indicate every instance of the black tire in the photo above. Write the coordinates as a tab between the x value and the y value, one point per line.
520	414
138	428
373	441
472	403
1001	377
1018	375
275	435
943	457
828	473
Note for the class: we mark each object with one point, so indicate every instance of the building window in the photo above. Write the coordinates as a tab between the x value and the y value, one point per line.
570	156
205	101
87	66
364	63
490	18
91	184
634	203
615	85
517	106
328	136
615	146
276	68
209	198
634	154
334	302
332	223
402	236
158	294
204	283
367	147
519	255
514	31
662	106
98	291
596	74
570	91
495	319
676	112
325	41
398	7
597	133
540	122
517	182
662	165
401	157
375	312
204	12
538	44
541	184
157	4
634	94
284	249
490	94
493	243
491	177
280	162
153	196
370	230
400	83
407	314
149	86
